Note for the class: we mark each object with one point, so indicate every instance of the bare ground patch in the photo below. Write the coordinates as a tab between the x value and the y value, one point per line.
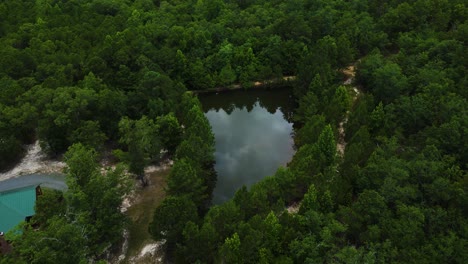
139	208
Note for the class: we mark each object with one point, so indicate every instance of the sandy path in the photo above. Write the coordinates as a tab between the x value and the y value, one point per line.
350	72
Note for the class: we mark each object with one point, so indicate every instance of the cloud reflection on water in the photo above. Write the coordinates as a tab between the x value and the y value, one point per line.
250	145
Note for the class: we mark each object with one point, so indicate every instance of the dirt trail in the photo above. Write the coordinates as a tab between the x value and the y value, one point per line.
138	246
349	72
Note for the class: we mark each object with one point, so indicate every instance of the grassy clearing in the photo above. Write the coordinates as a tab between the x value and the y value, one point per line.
141	210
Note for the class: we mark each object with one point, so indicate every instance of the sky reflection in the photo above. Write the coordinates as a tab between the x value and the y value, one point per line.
249	146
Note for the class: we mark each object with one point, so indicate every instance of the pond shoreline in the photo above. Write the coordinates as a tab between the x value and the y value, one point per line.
263	85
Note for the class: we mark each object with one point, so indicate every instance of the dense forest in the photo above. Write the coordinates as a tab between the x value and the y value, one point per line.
84	76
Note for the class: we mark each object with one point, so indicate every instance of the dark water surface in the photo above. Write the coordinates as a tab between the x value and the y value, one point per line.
253	132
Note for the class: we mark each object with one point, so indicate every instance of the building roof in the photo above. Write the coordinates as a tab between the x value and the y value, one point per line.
15	206
53	181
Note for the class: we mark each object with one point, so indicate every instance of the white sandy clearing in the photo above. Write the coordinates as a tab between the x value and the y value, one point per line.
35	161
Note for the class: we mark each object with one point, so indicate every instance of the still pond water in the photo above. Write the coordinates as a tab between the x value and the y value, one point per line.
253	132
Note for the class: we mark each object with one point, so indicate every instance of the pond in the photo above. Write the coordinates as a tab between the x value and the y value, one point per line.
253	131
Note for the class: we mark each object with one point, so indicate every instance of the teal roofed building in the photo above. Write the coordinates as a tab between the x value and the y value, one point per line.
17	205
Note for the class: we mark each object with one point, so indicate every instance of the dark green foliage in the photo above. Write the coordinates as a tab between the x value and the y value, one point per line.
60	242
10	150
339	104
95	199
184	181
200	243
142	143
380	202
89	134
170	217
49	203
189	185
327	146
309	133
170	132
91	72
67	119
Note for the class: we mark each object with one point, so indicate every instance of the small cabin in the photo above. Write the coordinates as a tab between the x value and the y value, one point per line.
17	205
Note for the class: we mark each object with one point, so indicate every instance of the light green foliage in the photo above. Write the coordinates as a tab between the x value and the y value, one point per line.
310	200
226	75
272	231
81	164
231	249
